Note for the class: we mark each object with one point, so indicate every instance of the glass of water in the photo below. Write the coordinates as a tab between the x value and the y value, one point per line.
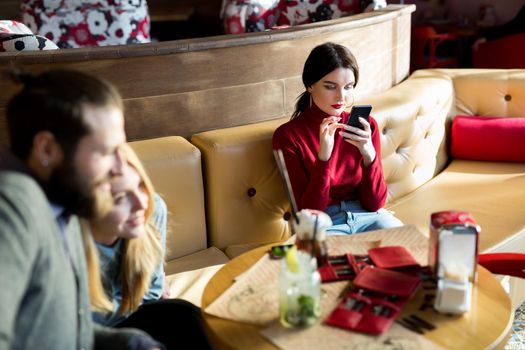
299	290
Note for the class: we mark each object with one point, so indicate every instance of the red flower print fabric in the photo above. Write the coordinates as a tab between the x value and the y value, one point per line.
81	23
240	16
15	36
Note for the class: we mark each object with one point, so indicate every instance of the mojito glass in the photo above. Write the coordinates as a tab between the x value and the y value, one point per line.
299	291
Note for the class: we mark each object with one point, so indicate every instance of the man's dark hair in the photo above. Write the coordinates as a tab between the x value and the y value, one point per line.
54	101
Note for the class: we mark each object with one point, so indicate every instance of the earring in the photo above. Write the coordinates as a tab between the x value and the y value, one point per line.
44	163
310	100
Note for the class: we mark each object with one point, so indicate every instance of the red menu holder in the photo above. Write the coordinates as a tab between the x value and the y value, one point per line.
343	267
375	300
392	257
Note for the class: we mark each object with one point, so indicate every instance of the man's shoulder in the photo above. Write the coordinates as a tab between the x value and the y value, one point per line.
25	215
17	182
22	196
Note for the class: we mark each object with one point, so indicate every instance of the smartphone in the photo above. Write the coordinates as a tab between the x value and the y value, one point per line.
279	251
362	111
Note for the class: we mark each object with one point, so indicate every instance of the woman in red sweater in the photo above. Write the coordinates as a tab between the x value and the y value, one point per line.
334	167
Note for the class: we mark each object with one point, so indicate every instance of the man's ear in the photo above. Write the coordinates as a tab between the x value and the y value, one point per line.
46	153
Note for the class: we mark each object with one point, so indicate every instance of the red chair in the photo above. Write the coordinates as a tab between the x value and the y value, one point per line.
511	264
424	48
506	52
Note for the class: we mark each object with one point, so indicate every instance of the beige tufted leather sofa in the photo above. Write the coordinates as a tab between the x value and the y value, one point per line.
225	194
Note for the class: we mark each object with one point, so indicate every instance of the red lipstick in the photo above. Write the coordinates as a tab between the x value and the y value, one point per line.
337	106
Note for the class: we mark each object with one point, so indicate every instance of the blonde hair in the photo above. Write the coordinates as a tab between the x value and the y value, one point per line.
140	256
97	295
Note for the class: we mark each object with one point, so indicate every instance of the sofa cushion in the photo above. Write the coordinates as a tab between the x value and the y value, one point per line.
190	285
489	92
491	192
245	197
24	42
187	276
14	27
174	166
411	117
488	138
15	36
203	258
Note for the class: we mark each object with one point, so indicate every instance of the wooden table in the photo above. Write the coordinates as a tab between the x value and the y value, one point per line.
486	326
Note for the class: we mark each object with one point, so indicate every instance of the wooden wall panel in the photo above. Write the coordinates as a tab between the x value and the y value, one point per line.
401	54
293	88
192	112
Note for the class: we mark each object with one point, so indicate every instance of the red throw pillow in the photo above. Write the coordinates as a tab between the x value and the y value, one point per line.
488	138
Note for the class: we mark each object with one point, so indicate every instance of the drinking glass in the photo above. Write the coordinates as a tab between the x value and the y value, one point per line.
299	292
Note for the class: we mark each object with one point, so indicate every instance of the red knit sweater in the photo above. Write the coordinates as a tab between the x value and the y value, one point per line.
317	184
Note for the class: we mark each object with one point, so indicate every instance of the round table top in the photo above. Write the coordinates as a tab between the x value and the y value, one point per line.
486	326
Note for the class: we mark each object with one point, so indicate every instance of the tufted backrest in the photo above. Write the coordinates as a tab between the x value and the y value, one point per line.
174	166
491	93
412	119
245	197
415	117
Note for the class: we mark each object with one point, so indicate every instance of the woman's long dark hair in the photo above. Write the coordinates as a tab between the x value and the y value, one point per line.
322	60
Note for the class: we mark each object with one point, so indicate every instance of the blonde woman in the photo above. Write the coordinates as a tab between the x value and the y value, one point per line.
125	264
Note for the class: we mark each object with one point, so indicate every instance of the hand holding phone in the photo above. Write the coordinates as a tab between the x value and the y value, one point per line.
362	111
360	139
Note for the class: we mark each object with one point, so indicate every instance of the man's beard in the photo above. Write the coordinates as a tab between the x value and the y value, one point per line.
69	189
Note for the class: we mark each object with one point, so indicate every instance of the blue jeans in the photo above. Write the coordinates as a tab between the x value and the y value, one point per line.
349	217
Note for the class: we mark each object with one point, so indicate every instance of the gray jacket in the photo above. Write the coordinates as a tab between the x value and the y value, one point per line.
44	301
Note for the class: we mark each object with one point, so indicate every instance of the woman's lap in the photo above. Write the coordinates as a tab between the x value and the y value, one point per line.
174	322
350	217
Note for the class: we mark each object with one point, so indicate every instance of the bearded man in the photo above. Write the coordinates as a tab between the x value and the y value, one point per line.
65	129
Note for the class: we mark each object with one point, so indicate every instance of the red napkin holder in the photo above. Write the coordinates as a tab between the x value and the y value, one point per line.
375	300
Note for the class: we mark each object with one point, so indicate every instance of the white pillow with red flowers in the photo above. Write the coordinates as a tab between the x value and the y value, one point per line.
15	36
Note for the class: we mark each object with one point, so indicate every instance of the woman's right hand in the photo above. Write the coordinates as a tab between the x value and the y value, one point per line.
326	137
